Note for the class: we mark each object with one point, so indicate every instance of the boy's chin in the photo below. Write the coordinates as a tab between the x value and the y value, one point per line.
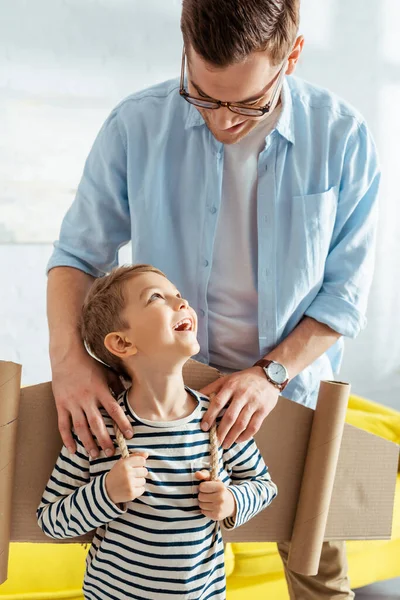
195	350
175	352
188	349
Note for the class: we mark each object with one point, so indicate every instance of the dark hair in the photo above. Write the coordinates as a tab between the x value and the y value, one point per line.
225	32
101	312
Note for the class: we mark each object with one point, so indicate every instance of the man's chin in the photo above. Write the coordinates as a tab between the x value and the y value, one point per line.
226	137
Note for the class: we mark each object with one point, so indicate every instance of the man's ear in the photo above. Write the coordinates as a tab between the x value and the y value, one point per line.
295	55
119	344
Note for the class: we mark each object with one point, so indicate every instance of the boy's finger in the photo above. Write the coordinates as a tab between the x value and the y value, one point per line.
203	474
141	472
138	459
206	501
209	487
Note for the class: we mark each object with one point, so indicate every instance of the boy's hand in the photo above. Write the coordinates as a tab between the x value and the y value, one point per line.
215	499
126	480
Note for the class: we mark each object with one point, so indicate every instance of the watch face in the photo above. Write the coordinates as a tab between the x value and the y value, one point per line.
277	372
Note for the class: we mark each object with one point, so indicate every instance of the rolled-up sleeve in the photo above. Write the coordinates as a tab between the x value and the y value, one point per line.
98	221
342	300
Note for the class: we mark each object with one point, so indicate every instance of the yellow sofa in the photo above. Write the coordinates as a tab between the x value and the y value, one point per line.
55	571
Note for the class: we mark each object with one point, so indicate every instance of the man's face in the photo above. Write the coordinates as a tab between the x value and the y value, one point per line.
162	325
249	82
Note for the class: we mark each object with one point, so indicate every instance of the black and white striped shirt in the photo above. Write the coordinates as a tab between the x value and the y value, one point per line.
159	546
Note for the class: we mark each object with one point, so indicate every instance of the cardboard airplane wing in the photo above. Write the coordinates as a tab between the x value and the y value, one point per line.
335	482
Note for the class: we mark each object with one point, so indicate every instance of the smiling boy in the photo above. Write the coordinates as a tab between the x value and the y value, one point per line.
157	528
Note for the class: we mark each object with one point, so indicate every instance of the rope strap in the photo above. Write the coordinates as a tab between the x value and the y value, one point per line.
121	441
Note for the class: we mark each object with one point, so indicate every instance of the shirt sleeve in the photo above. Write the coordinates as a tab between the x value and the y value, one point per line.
98	221
342	300
250	482
73	503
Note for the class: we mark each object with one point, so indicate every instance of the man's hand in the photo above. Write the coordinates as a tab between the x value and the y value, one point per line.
251	398
80	386
215	500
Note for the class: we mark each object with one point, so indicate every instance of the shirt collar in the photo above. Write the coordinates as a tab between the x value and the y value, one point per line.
284	124
193	118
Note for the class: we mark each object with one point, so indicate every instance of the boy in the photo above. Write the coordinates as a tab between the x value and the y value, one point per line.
157	528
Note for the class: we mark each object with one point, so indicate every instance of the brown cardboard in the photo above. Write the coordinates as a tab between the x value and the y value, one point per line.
10	383
320	465
362	470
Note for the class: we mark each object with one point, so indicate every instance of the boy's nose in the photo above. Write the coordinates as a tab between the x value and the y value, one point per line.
183	303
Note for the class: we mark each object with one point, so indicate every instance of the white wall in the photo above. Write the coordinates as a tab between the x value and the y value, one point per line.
65	64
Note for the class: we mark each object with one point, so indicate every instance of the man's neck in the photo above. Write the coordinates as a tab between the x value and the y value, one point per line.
160	395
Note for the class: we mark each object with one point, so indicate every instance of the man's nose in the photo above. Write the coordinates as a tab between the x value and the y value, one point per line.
223	118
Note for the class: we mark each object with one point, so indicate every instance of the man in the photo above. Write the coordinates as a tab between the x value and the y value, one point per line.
257	198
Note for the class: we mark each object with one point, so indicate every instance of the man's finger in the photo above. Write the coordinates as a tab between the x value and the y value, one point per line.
64	426
213	387
230	417
239	425
217	403
117	414
99	430
254	425
82	431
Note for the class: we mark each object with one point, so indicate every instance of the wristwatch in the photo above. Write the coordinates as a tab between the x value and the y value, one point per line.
275	372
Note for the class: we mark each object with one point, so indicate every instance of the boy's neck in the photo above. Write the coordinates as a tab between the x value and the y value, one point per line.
160	395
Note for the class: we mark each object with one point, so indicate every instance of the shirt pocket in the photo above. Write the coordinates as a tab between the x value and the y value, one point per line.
313	219
169	481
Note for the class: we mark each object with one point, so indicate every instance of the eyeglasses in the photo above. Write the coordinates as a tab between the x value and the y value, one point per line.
235	107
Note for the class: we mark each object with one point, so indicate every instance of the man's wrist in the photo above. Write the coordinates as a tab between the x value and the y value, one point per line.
69	348
275	372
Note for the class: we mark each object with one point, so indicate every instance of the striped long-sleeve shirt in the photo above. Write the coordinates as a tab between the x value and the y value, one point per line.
158	546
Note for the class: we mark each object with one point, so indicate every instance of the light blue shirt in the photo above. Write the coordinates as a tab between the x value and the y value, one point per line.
154	176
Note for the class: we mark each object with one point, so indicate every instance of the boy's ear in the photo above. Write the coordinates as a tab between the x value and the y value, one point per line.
119	344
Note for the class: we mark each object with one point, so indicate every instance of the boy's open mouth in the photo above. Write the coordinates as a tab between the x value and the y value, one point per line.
184	325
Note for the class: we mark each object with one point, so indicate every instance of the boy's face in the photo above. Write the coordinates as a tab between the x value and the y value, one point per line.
162	325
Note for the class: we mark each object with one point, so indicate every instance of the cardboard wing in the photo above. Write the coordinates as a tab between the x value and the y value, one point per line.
335	482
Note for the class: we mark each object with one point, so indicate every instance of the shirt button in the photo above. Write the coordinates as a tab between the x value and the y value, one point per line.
267	272
205	263
202	313
213	210
266	167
